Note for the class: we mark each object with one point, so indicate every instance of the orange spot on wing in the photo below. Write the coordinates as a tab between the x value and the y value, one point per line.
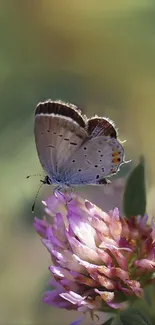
115	153
116	160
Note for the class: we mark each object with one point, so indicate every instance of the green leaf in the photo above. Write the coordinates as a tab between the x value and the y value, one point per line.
134	317
134	200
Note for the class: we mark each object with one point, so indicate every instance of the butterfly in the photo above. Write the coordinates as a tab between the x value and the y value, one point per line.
73	149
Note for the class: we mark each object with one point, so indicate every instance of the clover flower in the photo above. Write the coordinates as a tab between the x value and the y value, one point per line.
100	261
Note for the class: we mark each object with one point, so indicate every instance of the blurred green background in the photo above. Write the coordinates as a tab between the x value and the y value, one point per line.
97	54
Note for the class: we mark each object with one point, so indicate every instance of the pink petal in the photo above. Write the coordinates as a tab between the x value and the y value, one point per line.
72	297
145	264
153	229
61	273
59	227
102	215
115	226
100	225
53	298
53	240
68	260
120	258
83	251
136	287
47	243
105	282
142	221
121	274
107	296
56	204
89	205
41	226
92	269
78	205
106	258
125	228
82	230
119	305
80	278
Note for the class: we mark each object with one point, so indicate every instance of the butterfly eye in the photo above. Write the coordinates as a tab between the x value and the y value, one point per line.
47	180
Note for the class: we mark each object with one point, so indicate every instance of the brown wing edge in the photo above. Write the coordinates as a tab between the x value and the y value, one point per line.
63	109
98	126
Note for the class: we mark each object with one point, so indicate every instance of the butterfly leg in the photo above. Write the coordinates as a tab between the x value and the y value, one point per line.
57	189
71	193
67	195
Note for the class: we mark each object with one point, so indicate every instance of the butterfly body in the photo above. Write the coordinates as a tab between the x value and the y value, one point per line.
72	149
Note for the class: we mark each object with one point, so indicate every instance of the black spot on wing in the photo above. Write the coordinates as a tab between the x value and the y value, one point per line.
73	143
103	181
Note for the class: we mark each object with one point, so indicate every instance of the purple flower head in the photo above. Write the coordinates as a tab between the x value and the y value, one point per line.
100	261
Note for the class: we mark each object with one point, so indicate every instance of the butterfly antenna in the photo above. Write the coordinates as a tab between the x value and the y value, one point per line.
33	175
34	203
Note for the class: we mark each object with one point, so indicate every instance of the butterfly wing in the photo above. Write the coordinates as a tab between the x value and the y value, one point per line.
96	158
57	136
99	126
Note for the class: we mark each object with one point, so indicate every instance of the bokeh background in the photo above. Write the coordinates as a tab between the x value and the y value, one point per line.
94	53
